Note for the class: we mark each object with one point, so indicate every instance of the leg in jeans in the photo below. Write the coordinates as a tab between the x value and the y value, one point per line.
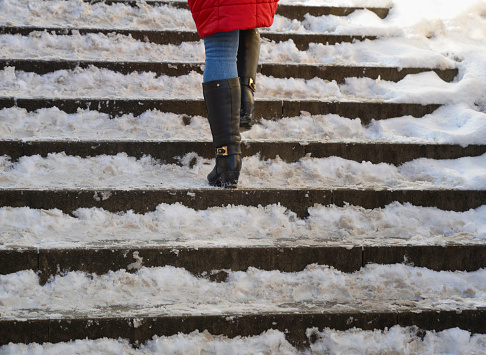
222	95
221	49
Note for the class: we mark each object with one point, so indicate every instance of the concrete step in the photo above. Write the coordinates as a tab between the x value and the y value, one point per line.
177	37
297	200
211	262
54	327
328	72
267	109
169	151
290	11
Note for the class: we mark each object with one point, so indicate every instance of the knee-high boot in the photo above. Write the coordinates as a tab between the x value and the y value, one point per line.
247	63
222	99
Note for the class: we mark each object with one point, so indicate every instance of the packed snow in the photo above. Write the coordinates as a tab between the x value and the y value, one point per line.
272	342
273	225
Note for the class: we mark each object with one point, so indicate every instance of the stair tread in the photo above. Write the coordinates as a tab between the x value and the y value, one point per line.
190	310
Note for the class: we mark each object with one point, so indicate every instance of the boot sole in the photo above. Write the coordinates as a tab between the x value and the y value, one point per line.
245	123
227	180
245	127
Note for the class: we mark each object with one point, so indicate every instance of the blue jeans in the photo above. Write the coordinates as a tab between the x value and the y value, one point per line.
221	50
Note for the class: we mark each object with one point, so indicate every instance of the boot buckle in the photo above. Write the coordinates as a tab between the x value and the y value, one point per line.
222	151
251	84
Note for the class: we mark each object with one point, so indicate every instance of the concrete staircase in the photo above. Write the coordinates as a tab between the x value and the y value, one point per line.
216	262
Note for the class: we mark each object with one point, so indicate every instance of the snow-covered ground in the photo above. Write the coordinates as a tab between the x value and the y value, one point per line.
435	34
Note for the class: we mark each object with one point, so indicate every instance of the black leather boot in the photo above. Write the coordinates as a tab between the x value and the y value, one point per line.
223	99
247	63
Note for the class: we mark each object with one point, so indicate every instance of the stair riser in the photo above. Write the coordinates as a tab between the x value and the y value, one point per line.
168	152
294	325
202	261
141	201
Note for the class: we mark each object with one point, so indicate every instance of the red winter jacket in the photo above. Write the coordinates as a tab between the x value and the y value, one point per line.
213	16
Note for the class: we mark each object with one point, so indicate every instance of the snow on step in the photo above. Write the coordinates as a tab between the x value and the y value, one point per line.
101	83
176	225
273	342
123	172
382	52
451	124
302	41
173	291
